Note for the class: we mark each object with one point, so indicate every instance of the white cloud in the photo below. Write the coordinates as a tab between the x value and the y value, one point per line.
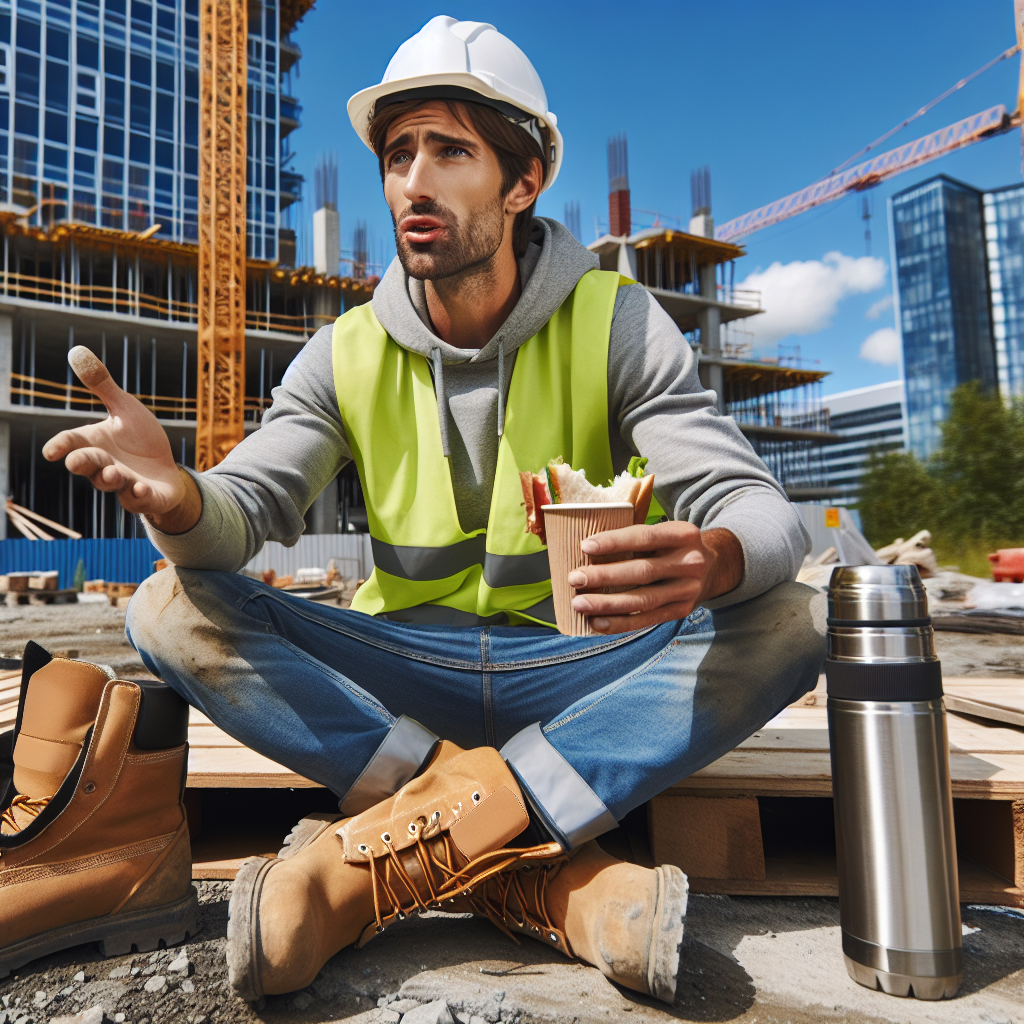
802	297
876	309
882	346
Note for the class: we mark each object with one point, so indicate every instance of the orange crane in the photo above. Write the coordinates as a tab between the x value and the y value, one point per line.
994	121
220	387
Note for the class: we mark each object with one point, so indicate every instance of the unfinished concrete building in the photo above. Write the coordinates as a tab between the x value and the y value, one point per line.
775	402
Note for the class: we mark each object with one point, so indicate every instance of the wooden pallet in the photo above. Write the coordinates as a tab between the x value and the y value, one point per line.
756	822
759	820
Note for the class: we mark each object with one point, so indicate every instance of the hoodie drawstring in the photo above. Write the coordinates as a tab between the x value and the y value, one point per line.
501	386
442	398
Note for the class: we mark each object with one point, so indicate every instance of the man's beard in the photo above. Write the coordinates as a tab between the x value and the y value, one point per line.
464	248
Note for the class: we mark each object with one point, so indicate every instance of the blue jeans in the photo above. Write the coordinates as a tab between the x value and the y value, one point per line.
592	726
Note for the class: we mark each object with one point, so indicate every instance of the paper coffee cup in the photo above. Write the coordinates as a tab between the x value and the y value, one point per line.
567	526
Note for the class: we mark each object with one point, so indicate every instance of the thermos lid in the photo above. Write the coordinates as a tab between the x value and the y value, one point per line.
877	595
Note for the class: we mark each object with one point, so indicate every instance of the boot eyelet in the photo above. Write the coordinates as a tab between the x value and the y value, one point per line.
401	916
436	816
89	787
386	837
476	798
553	937
363	848
412	828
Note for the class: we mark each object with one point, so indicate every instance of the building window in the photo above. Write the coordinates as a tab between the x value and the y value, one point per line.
86	94
114	101
56	127
55	163
5	63
56	85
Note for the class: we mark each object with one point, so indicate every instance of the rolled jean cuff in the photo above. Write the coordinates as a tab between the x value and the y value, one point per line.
567	804
396	761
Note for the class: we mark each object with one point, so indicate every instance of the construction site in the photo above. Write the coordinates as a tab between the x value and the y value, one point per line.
176	261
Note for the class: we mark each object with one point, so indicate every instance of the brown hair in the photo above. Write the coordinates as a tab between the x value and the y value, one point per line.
514	147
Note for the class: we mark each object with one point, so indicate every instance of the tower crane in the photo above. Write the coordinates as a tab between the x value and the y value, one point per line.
869	173
220	376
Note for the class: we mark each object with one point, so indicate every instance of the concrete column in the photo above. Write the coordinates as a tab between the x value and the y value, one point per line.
5	473
6	360
626	264
709	322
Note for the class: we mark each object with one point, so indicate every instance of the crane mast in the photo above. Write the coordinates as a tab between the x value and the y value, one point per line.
220	377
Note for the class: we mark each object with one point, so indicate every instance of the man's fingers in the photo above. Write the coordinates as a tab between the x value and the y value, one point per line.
93	374
637	572
67	441
87	461
629	623
656	537
643	599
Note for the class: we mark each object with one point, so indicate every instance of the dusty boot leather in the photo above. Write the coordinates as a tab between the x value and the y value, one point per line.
434	840
94	844
624	919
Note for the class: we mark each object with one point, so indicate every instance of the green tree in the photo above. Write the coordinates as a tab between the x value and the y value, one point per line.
980	467
970	493
897	497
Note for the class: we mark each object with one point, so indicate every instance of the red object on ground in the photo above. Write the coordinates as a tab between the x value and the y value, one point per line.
1008	565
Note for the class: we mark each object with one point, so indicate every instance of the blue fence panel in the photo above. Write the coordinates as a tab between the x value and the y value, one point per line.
116	560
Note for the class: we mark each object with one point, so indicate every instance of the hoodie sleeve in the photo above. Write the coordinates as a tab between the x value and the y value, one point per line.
706	472
262	490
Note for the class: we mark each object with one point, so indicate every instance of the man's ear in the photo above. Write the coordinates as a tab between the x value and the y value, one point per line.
525	191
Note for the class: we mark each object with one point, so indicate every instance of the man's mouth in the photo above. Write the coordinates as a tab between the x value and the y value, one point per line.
421	230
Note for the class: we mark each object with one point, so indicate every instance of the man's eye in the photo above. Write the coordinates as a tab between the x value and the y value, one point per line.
454	151
398	159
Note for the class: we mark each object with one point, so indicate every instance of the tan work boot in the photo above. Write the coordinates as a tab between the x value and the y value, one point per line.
342	882
94	844
624	919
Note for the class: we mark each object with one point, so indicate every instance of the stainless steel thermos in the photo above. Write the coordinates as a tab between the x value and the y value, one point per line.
899	901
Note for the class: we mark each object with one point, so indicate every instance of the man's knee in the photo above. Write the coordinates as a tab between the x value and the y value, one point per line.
171	609
780	634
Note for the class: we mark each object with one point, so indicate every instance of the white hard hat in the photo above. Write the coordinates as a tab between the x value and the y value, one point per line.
468	60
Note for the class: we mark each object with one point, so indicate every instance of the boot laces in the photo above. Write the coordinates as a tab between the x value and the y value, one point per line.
527	881
30	805
434	854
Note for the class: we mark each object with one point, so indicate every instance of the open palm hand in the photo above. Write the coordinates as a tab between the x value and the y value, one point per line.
127	453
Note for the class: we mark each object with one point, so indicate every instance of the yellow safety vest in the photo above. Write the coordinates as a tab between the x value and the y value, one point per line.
557	406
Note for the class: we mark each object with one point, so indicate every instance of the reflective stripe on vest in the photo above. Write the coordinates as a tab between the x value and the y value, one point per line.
557	406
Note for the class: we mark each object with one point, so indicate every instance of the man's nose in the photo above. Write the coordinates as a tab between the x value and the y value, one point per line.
417	187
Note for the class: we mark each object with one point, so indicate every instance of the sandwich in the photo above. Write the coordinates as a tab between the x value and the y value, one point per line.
558	484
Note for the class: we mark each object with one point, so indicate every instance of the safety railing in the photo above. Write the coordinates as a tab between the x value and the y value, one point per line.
51	394
134	302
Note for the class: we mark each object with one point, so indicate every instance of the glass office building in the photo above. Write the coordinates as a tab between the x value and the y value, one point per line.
941	279
99	115
1004	245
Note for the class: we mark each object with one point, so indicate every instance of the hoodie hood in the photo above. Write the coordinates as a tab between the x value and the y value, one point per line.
553	264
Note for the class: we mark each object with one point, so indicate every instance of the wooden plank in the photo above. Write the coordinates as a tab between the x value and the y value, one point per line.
708	837
815	875
809	773
240	768
209	736
967	706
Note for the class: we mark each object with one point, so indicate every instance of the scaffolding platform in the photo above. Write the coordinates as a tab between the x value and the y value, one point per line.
756	822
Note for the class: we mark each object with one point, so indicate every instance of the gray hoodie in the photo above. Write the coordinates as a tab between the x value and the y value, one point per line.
705	470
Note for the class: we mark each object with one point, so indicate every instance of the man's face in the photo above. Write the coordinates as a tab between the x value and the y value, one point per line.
443	185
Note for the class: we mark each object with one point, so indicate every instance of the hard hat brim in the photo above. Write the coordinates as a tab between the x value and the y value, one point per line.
361	107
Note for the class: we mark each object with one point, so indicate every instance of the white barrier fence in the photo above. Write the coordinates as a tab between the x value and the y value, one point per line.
351	553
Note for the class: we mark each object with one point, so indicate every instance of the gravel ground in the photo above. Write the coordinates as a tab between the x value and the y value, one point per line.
744	959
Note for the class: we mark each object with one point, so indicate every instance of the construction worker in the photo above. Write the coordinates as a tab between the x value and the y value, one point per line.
476	753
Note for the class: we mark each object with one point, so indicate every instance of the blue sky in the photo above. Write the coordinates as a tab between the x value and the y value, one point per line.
770	95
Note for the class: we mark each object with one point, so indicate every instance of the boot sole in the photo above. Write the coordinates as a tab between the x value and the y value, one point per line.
667	932
244	907
139	931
